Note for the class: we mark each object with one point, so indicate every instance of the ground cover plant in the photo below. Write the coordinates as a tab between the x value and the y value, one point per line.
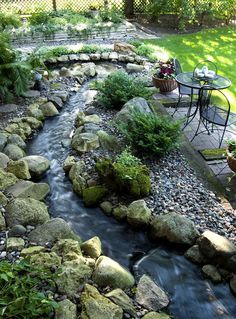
22	294
150	133
118	88
217	45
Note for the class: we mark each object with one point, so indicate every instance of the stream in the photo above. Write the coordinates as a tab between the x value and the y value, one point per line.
192	297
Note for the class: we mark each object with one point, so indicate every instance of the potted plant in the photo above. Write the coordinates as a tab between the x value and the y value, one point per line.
231	154
164	76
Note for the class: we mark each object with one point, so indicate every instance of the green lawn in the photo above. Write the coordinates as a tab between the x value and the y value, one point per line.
217	45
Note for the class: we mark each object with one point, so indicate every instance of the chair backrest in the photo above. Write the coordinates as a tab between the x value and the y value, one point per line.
177	66
214	105
206	63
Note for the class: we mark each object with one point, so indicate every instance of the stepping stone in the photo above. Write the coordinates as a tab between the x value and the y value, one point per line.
8	108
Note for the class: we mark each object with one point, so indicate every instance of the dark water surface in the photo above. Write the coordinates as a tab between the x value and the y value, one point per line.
191	296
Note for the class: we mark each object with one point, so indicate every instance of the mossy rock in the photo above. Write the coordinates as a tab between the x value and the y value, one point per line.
47	260
7	179
19	168
93	195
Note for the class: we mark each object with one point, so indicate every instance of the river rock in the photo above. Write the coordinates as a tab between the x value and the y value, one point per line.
194	254
65	246
17	231
232	284
79	185
56	100
134	68
212	273
91	128
110	273
26	211
94	305
106	207
51	231
92	247
150	295
66	310
156	315
14	152
38	165
4	159
93	195
65	72
15	243
175	228
44	259
69	162
32	94
120	212
216	247
108	142
138	214
7	179
77	169
231	263
87	69
34	111
2	222
33	122
125	114
16	140
3	199
84	142
120	298
49	109
19	168
27	189
32	250
3	141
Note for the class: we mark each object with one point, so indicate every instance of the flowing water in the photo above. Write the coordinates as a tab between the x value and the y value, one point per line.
191	296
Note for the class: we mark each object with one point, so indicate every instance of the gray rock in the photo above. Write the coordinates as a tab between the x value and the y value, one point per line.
79	184
49	109
77	169
84	142
212	273
91	128
52	231
194	254
150	295
106	207
17	140
134	68
125	114
110	273
32	94
34	111
4	159
17	231
25	211
8	108
2	222
15	243
3	199
3	141
138	214
69	162
27	189
56	100
14	152
92	247
120	212
65	72
63	58
66	310
175	228
94	305
108	142
38	165
120	298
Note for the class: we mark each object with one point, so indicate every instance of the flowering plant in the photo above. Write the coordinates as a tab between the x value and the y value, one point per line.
165	70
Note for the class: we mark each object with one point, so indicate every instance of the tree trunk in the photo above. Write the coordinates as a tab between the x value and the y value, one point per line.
54	4
129	8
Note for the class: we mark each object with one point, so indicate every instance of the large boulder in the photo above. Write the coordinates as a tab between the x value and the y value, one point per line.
19	168
108	142
49	109
4	160
14	152
92	247
52	231
216	248
66	310
45	259
150	295
93	195
6	179
26	211
94	305
110	273
38	165
138	214
27	189
120	298
84	142
136	104
175	228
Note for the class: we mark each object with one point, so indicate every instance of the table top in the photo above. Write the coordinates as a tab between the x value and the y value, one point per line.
187	79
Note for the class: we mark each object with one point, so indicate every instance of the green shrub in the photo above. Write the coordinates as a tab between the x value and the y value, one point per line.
38	18
126	175
118	88
111	14
9	20
151	133
21	293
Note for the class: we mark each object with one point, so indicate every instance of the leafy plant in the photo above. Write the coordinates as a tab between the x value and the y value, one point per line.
118	88
231	143
126	174
38	18
22	295
111	15
9	20
151	133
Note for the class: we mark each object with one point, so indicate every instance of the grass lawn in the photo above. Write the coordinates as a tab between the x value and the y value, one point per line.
217	45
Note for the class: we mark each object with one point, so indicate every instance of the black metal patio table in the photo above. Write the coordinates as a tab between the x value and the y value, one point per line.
187	79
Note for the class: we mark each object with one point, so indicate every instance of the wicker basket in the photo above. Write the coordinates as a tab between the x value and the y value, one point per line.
165	85
231	161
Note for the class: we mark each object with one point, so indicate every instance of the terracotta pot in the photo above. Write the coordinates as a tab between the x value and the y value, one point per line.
165	85
231	161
